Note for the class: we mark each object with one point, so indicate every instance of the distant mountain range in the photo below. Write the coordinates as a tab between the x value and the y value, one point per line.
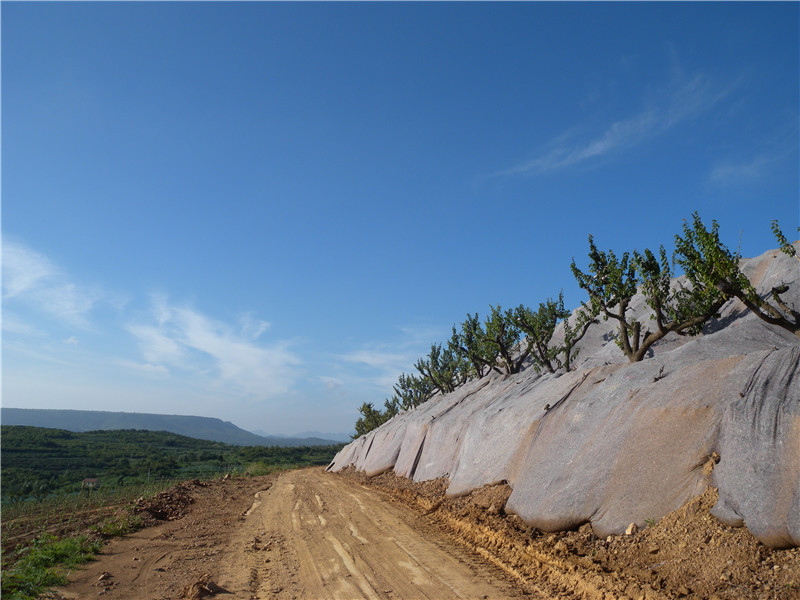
337	437
203	428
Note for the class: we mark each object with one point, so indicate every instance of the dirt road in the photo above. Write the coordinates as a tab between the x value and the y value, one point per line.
308	534
304	534
313	535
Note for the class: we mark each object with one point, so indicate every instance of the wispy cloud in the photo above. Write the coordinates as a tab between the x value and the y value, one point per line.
143	367
381	364
31	277
681	100
759	159
13	323
385	366
727	173
181	338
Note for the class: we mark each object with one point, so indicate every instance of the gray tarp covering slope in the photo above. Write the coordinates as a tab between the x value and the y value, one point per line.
625	442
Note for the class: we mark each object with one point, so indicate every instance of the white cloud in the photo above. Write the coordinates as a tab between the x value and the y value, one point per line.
376	359
23	269
251	327
143	367
385	362
157	346
736	173
184	338
683	99
72	341
30	277
331	383
768	153
12	323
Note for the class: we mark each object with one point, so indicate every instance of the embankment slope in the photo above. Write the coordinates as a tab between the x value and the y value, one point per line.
622	442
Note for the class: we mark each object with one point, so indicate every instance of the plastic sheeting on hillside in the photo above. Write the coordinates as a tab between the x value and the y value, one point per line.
623	442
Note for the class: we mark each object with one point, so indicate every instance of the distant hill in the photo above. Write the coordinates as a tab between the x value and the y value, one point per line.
337	437
202	428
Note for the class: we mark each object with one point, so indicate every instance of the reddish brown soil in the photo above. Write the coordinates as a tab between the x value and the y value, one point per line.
687	554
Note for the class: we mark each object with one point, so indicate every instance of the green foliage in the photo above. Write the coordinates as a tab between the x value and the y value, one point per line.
371	418
43	565
612	282
411	391
489	346
477	348
504	335
683	310
443	368
539	327
118	526
785	245
585	317
470	345
39	462
708	264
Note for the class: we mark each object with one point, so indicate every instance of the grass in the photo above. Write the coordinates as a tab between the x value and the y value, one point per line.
118	526
44	540
44	565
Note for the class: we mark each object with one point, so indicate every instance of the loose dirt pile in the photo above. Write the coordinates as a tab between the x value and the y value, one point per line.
687	554
170	504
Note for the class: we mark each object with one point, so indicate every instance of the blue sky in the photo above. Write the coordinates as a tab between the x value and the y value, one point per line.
265	212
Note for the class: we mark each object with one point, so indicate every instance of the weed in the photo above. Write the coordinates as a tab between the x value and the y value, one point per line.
42	565
258	468
118	526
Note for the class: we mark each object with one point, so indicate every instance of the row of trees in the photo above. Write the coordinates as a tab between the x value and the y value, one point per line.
506	339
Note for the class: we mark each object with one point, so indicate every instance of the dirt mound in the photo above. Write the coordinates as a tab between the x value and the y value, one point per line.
688	553
170	504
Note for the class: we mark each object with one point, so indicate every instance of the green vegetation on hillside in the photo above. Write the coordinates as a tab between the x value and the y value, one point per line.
40	462
504	340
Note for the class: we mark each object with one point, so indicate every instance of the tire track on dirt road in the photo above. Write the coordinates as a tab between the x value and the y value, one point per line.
316	535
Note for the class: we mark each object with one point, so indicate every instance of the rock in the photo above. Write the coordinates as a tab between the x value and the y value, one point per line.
586	528
560	546
631	529
653	549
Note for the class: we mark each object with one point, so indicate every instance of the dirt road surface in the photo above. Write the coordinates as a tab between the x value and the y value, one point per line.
304	534
313	535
